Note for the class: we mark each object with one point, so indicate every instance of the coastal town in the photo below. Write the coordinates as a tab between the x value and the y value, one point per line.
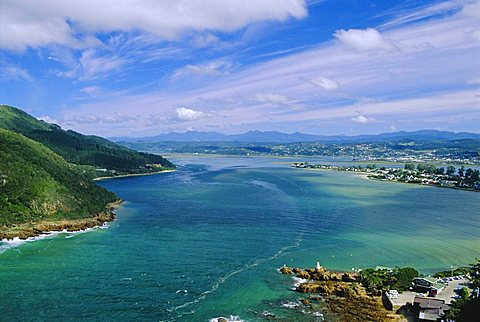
421	173
389	294
438	152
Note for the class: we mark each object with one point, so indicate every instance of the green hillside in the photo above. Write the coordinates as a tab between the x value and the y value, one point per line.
78	148
36	184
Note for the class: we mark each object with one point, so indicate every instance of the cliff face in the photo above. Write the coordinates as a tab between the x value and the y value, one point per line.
37	185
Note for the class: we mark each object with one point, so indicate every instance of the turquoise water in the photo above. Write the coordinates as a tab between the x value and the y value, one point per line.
206	240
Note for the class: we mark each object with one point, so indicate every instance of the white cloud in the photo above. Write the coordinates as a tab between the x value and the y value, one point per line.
271	98
91	66
14	73
325	83
363	40
472	9
215	68
205	40
474	81
405	16
48	119
427	76
362	119
91	90
27	23
114	118
185	114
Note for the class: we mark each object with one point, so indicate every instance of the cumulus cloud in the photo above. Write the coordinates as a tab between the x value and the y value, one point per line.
363	40
186	114
362	119
325	83
28	23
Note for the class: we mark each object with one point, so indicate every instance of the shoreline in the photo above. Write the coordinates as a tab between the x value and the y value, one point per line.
369	176
133	175
25	231
32	230
301	157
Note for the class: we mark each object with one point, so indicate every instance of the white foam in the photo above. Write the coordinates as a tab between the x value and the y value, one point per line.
291	305
231	318
224	278
6	244
299	281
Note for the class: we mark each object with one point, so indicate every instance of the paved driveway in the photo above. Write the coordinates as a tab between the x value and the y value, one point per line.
448	292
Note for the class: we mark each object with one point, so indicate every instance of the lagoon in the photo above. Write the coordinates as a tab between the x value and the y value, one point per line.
206	240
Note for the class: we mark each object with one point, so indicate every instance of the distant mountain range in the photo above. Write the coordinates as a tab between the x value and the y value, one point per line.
279	137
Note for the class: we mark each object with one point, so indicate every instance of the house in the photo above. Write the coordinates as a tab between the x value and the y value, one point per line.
427	283
429	309
447	183
300	165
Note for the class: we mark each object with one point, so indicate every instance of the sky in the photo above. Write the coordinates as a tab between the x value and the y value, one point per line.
145	67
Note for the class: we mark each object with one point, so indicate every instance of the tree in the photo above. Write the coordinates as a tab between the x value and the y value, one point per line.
440	171
466	308
461	171
410	166
450	170
421	167
472	175
404	277
475	274
429	168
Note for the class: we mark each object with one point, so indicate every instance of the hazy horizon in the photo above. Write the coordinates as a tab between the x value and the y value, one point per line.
289	133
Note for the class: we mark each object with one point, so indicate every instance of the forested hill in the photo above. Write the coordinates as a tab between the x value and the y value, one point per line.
78	148
37	185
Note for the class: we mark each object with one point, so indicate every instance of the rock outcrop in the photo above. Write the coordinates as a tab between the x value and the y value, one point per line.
341	293
32	229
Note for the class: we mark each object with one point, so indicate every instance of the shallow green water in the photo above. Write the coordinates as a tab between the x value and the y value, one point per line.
206	241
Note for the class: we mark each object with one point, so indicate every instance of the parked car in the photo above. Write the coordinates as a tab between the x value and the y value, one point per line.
393	294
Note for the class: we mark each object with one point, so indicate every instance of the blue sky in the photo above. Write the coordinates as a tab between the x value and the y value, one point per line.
324	67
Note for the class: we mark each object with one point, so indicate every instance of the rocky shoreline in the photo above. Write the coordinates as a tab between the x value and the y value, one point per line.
27	230
340	293
133	175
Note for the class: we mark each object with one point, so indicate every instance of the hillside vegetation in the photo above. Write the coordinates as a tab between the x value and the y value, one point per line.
78	148
36	184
